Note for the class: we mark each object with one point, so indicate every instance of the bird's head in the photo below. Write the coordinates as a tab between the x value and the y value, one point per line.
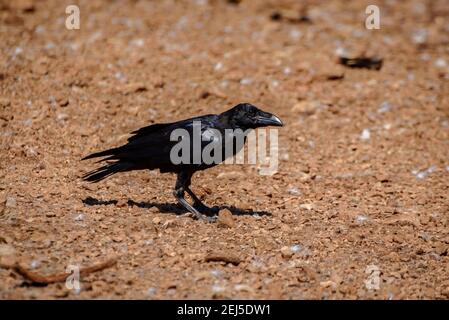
245	115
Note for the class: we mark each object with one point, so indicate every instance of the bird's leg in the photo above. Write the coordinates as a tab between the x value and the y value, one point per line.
198	204
182	182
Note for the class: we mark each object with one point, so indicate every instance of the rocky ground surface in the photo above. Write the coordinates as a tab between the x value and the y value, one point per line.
359	207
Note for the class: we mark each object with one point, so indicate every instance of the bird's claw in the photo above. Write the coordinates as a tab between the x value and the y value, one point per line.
206	213
203	217
202	208
210	219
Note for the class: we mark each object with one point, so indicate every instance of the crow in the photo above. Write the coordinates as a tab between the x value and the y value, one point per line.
152	147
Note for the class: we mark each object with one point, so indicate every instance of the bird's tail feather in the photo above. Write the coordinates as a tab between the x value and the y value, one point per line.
101	154
105	171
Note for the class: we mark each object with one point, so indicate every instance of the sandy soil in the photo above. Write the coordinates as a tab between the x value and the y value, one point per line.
362	191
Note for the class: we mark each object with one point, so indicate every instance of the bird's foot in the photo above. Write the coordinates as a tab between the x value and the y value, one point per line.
199	210
202	208
202	217
195	213
207	213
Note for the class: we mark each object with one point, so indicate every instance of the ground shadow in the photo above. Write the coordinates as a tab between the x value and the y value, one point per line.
171	208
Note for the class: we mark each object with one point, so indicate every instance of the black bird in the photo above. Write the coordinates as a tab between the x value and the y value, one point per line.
151	148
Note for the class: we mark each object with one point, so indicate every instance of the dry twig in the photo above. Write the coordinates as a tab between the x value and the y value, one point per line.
39	279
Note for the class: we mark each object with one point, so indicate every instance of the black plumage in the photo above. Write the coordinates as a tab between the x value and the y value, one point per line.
151	148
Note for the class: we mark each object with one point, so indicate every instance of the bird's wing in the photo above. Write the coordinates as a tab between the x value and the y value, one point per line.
136	134
206	120
153	144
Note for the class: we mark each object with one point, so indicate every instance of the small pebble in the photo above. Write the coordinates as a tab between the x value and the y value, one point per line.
138	42
432	169
441	63
217	289
79	217
17	51
39	29
218	66
286	252
225	219
242	287
287	71
423	174
30	152
171	291
384	107
10	202
50	46
294	191
419	36
296	248
307	206
216	273
120	76
361	218
366	134
246	81
151	291
52	101
295	34
35	264
62	116
341	52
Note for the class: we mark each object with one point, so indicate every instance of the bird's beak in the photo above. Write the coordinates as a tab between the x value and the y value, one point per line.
268	119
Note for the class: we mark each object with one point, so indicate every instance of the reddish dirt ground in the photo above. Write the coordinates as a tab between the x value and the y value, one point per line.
359	208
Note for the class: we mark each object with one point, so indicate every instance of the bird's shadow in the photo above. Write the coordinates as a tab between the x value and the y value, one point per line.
171	208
